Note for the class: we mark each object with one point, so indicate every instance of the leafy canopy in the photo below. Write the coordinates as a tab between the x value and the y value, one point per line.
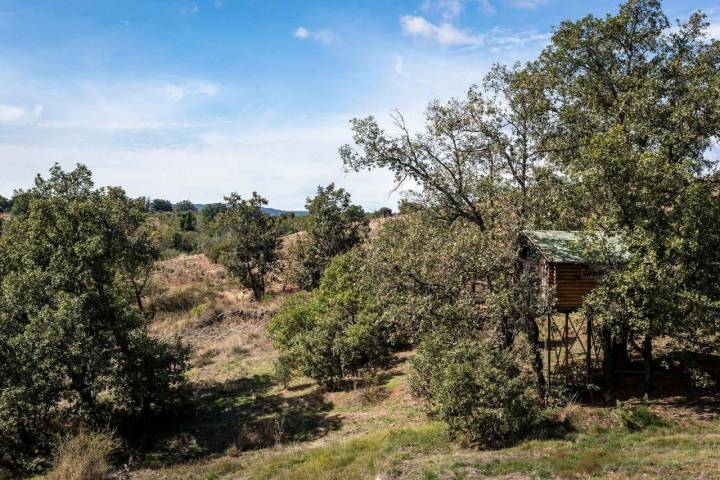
73	339
252	237
334	226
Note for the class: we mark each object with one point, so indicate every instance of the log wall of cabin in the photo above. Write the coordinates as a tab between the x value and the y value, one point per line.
571	283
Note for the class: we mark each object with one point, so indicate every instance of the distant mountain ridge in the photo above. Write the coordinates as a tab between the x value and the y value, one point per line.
273	212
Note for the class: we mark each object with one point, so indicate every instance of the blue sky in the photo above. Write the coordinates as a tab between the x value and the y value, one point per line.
195	99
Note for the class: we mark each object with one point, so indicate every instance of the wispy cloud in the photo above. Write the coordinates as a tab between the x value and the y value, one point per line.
15	115
322	35
445	34
714	30
713	19
190	9
526	4
178	92
451	9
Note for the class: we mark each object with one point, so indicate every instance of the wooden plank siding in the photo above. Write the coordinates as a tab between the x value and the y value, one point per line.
571	282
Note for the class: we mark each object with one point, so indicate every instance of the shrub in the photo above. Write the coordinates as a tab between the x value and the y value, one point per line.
477	389
161	205
5	204
210	211
185	241
84	457
185	206
334	226
187	221
333	333
74	343
214	246
638	417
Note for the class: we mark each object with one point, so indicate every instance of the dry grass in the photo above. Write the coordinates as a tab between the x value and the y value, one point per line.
247	425
84	457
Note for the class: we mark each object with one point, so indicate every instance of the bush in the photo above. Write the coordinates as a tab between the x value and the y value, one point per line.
5	204
332	334
477	389
185	241
214	246
84	457
161	205
187	221
638	417
334	225
74	343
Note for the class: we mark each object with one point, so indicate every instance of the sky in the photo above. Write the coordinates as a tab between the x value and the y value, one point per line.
194	99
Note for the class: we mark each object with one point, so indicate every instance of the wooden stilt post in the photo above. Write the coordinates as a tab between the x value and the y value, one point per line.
548	338
589	346
566	344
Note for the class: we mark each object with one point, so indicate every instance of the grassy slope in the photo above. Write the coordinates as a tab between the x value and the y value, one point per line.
247	426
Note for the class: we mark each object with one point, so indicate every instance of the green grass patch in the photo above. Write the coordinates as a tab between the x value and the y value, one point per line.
362	457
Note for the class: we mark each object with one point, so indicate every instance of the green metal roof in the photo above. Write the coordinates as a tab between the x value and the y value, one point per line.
559	246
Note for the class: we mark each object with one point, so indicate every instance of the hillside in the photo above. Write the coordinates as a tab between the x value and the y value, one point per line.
247	425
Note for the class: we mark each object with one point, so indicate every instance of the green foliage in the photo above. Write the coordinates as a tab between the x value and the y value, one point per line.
637	417
334	226
5	204
161	205
418	268
382	212
187	221
333	333
607	130
252	240
477	389
185	206
406	206
73	337
634	142
185	242
20	203
291	223
210	211
165	235
213	246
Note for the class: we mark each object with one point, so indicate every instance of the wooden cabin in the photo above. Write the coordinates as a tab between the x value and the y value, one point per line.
562	270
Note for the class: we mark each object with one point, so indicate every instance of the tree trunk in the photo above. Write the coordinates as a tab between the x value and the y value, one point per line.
615	354
647	354
533	333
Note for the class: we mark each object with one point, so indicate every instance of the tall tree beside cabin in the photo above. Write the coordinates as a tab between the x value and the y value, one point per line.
637	107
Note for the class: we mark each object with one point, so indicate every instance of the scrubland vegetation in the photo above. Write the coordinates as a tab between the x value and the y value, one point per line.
141	339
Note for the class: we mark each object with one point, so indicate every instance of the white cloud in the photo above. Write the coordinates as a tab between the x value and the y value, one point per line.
301	32
219	3
190	9
526	4
503	40
713	30
322	36
216	162
451	9
178	92
444	34
487	7
14	115
399	64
